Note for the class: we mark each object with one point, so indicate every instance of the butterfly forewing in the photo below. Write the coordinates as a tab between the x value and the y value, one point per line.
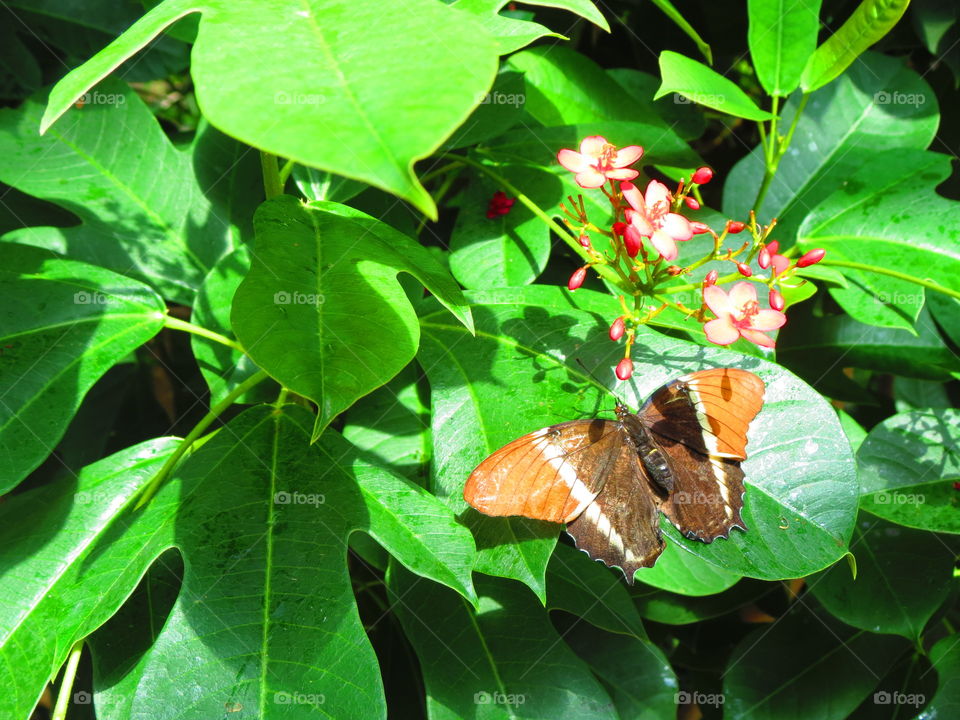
551	474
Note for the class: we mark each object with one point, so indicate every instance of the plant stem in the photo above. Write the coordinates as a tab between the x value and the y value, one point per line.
272	185
928	284
178	324
150	488
66	686
775	147
285	172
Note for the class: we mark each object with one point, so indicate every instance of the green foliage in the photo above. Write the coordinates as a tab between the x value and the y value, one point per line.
266	519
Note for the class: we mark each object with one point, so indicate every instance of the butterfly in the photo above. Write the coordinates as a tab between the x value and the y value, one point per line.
609	480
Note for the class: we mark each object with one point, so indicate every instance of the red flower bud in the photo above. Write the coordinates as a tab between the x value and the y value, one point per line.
702	176
584	239
811	258
631	241
735	226
625	369
763	259
692	203
711	278
576	280
619	227
699	228
616	330
772	247
776	300
744	270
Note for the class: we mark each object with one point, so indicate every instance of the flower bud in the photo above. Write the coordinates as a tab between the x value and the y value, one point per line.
616	329
744	270
576	280
691	203
619	227
811	258
776	300
584	240
763	259
625	369
674	270
699	228
711	278
773	247
631	241
735	226
702	176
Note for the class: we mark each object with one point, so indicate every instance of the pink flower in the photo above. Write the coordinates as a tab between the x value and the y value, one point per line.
739	315
599	161
650	217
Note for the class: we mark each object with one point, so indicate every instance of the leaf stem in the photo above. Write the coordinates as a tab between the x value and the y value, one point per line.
272	185
151	488
285	172
66	685
178	324
775	147
928	284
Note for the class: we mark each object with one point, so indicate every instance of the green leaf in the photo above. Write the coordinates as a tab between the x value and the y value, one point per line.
521	373
945	657
64	324
500	110
143	213
908	466
668	9
321	185
782	36
870	21
509	250
504	660
903	576
321	309
705	86
879	104
911	394
895	221
673	609
68	559
828	670
637	676
686	574
685	118
852	429
383	96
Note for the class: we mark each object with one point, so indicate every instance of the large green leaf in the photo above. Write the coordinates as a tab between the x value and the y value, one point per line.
321	309
673	609
909	464
870	21
805	666
704	86
521	373
888	215
945	656
64	324
903	576
380	95
143	211
782	36
878	104
504	661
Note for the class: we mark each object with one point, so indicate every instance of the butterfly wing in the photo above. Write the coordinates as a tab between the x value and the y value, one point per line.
552	474
699	423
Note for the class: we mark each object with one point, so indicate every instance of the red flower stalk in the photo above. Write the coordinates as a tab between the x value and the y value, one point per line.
735	226
744	270
811	258
691	203
616	329
624	369
776	300
702	176
576	280
711	278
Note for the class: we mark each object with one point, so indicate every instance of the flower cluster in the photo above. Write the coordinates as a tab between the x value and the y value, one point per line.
642	246
499	205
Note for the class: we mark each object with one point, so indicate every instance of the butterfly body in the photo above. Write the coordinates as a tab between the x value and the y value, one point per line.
609	480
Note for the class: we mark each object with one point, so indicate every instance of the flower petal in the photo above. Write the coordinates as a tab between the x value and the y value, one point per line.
664	244
767	320
740	295
592	145
656	192
623	174
780	263
591	178
574	161
677	226
639	222
717	300
631	194
757	337
721	331
627	156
